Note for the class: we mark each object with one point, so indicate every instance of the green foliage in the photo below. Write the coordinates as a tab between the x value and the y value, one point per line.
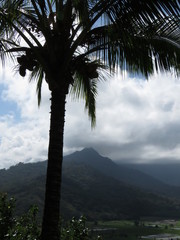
85	179
76	230
17	228
26	227
6	218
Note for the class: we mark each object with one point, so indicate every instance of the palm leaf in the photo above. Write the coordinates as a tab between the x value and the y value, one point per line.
85	83
37	75
129	34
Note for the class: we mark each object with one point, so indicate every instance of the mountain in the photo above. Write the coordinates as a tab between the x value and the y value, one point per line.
103	197
168	173
90	186
129	174
21	173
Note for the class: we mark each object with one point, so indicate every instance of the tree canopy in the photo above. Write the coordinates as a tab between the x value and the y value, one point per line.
80	38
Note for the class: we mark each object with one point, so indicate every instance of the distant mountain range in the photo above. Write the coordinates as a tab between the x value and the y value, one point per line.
168	173
96	187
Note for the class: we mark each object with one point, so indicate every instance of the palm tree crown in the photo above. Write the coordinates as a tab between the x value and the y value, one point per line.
69	43
73	39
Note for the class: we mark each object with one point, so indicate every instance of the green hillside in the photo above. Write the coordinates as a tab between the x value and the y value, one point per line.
86	189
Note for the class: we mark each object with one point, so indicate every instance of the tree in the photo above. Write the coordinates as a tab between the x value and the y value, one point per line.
69	43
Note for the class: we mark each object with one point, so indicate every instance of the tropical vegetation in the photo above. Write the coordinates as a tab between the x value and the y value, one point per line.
87	178
26	227
71	44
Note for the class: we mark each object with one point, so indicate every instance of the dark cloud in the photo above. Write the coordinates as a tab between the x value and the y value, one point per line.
167	136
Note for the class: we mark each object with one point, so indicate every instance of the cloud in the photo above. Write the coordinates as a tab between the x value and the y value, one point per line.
137	120
27	138
21	142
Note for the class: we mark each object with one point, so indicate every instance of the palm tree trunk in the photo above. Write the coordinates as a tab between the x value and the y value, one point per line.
50	225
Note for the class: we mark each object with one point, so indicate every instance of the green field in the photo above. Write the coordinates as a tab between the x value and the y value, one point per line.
129	230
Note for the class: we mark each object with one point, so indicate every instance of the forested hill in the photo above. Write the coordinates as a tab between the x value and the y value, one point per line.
134	175
94	186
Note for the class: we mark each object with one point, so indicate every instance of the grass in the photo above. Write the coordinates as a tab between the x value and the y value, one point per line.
127	230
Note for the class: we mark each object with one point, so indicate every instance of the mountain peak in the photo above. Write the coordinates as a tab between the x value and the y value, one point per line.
85	153
89	151
91	157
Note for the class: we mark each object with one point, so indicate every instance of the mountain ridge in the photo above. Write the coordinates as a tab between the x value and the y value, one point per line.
121	172
86	189
169	173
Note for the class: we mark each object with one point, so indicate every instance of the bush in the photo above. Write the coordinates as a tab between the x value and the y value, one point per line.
17	228
26	227
76	230
6	215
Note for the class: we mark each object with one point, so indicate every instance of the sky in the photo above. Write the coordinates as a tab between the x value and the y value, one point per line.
137	120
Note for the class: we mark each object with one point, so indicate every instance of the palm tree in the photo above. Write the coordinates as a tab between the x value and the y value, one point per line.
69	43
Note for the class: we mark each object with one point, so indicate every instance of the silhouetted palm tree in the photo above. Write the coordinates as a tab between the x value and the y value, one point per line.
68	43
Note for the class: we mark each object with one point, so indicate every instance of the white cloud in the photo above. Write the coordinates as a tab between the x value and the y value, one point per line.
27	139
136	119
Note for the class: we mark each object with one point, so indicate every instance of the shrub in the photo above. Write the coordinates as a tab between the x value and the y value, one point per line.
26	227
6	215
76	230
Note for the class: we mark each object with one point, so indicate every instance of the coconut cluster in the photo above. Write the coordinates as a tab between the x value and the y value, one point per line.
26	62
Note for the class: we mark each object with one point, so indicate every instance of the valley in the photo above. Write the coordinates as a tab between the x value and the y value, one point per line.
129	230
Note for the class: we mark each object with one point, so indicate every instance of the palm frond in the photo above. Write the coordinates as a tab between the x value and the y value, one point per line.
125	25
5	47
82	9
130	34
37	75
85	84
87	90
